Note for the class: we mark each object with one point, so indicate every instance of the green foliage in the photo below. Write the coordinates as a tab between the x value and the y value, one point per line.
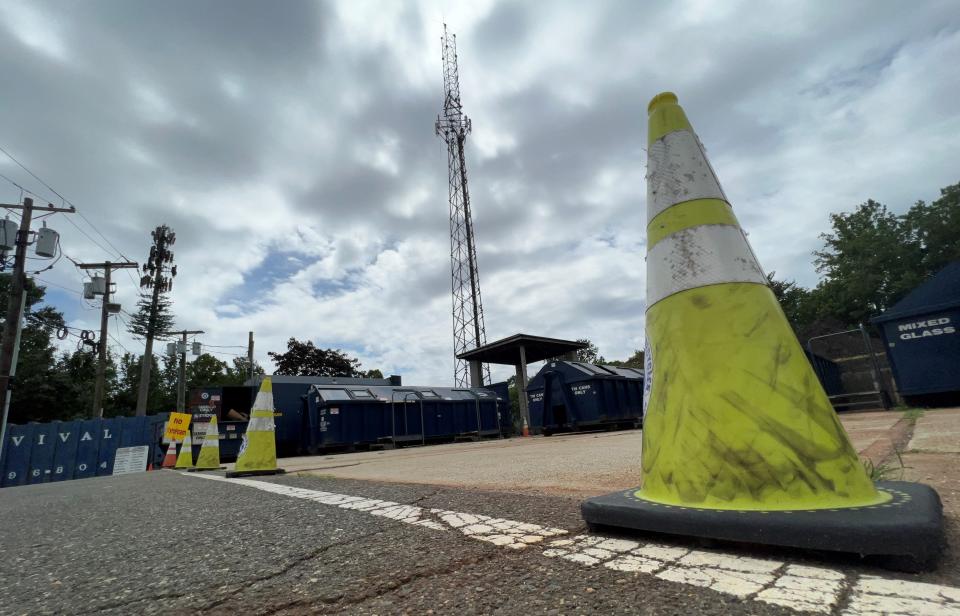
207	370
870	260
76	373
305	359
913	414
36	388
934	229
885	470
590	354
867	262
153	324
161	398
634	361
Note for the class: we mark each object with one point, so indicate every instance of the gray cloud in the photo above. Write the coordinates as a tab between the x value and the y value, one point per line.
264	130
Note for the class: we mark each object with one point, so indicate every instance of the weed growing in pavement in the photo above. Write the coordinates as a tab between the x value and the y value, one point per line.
886	470
913	414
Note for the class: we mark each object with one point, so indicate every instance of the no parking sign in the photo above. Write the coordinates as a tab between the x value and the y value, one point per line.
177	427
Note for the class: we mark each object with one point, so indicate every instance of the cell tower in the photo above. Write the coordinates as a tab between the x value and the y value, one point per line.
453	126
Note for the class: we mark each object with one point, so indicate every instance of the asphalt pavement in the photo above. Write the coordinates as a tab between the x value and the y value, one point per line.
178	543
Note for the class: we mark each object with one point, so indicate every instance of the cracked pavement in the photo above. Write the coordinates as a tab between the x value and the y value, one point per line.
166	542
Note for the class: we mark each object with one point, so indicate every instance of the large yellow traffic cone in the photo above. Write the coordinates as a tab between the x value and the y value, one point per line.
736	421
185	459
258	452
209	458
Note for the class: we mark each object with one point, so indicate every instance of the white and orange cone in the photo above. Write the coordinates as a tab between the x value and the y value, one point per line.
170	459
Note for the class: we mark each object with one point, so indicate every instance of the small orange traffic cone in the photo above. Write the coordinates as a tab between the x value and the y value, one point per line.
170	460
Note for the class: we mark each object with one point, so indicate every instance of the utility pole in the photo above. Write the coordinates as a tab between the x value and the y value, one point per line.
182	377
105	309
16	303
250	356
158	263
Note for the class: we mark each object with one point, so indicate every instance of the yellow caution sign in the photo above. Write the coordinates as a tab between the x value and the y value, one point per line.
258	451
209	457
177	428
735	417
185	459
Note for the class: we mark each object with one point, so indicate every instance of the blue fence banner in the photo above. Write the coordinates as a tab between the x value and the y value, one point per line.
68	437
41	458
16	455
62	450
110	430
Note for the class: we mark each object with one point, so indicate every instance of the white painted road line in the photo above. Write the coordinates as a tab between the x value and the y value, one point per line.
798	587
498	531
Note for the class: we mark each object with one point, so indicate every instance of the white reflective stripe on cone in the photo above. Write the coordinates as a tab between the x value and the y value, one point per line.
260	424
697	257
264	401
678	171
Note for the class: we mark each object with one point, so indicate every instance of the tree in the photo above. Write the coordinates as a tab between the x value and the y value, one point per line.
634	361
76	373
305	359
129	369
207	370
239	372
169	379
141	325
868	262
590	354
35	395
934	229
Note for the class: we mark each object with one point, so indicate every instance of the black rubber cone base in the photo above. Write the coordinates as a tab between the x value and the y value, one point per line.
275	471
906	531
201	470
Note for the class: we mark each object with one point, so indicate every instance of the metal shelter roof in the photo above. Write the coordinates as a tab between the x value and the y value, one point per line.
507	350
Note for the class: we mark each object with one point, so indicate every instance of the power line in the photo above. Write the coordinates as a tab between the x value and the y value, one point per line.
226	353
117	323
47	282
22	189
65	201
33	175
87	235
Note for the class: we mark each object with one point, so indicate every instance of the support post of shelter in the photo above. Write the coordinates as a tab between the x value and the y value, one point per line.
476	373
517	351
522	391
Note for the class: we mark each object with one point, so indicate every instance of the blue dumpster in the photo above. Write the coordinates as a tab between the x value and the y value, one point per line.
349	416
921	334
570	395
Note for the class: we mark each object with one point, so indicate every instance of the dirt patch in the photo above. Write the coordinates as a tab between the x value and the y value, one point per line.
887	443
940	470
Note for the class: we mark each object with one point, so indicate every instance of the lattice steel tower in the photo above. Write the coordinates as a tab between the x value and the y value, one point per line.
453	126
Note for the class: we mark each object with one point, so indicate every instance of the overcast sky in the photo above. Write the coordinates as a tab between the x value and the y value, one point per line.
291	147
